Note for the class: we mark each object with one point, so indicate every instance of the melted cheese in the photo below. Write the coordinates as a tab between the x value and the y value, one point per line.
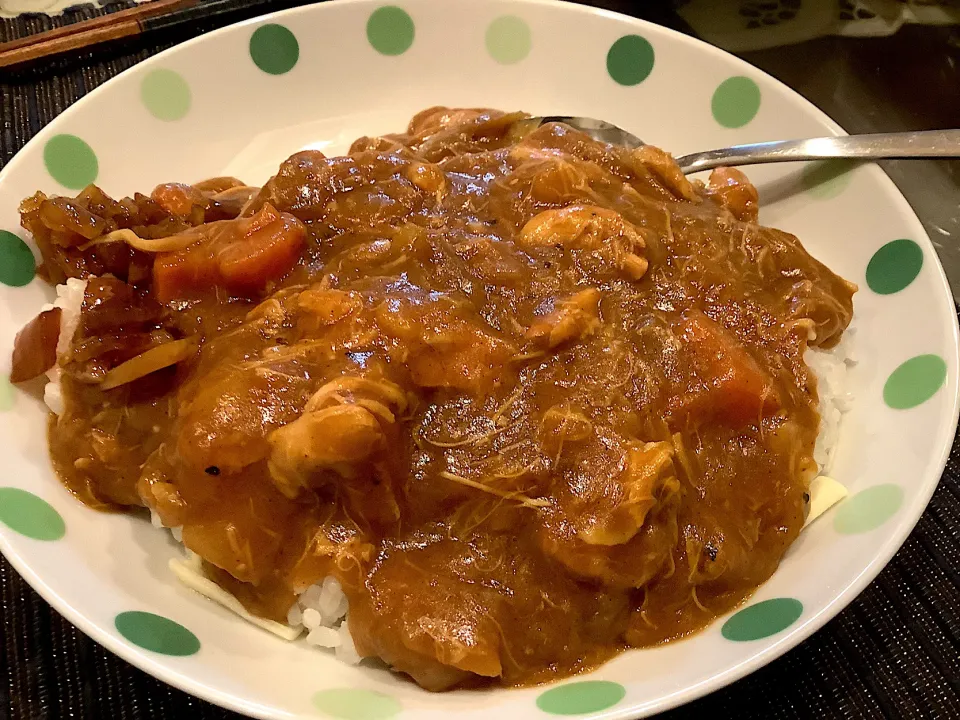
825	492
188	571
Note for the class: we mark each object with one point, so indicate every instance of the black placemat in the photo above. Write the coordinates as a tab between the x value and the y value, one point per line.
895	652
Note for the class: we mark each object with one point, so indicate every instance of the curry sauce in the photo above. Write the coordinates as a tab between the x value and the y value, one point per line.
531	399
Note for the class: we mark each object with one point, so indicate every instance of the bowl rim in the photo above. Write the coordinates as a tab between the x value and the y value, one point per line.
892	542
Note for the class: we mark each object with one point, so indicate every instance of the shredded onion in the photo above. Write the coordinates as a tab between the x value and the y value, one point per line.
218	184
154	359
171	243
241	192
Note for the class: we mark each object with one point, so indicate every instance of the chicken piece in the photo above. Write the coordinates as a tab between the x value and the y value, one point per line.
495	262
431	607
731	189
428	177
561	425
440	132
649	171
439	637
233	520
662	164
437	118
590	228
342	426
620	531
380	397
561	181
825	301
337	547
239	542
327	306
227	413
444	343
301	186
336	437
158	494
572	318
267	318
553	176
648	479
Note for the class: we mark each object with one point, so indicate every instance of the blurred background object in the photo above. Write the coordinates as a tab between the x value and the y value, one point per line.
13	8
739	25
909	80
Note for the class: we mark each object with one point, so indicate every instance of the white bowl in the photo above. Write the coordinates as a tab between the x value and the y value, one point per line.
206	108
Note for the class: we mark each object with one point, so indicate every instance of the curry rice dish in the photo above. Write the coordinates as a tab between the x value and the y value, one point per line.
517	399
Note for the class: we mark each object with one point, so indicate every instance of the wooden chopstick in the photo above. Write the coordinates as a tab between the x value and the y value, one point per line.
88	32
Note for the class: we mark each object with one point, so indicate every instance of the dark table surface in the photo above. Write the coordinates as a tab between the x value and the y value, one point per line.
894	652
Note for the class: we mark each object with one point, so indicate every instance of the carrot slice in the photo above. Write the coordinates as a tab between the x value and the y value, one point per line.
265	254
184	272
241	255
737	389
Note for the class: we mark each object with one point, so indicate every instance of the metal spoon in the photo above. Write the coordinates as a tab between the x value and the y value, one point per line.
879	146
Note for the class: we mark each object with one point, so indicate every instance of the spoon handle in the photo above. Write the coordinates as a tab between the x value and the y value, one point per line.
920	144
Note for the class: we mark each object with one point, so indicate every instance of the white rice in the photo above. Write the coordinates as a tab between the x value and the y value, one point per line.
831	368
69	300
321	611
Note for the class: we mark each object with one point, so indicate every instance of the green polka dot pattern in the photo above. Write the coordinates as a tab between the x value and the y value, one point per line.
827	179
29	515
70	161
914	382
630	60
351	704
6	393
508	39
894	266
165	94
868	509
274	49
735	102
580	698
390	30
156	633
17	266
762	620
